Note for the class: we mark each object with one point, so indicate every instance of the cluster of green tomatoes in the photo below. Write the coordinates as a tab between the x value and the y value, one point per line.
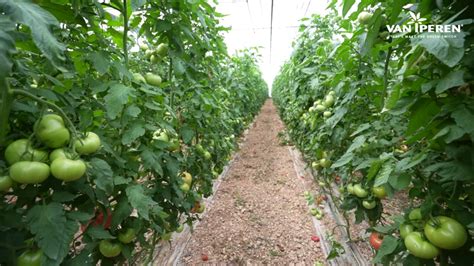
424	239
29	165
154	55
369	201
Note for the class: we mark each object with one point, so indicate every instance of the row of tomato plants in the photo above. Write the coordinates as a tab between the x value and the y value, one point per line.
115	118
380	115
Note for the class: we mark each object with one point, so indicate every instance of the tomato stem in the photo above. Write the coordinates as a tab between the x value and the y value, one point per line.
6	101
125	31
385	75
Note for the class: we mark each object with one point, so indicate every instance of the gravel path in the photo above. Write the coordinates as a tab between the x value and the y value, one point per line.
259	214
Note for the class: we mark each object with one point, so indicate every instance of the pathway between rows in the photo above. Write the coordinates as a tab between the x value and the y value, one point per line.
258	215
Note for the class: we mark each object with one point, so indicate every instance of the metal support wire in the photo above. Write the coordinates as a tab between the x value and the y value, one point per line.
271	32
309	3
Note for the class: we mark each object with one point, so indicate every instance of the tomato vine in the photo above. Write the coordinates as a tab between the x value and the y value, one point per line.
388	111
147	91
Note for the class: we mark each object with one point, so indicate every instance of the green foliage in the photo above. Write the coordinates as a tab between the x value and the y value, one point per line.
402	116
79	59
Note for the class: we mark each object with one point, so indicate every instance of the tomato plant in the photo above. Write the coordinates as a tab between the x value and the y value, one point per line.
119	99
391	111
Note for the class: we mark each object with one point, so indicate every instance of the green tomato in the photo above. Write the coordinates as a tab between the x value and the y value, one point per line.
138	78
405	229
184	187
143	47
327	114
379	192
173	145
88	145
314	211
320	108
415	214
199	148
127	236
332	93
109	249
51	131
166	236
325	162
359	191
29	172
180	228
207	155
154	59
148	53
30	258
419	247
5	183
350	189
152	79
328	100
58	153
68	170
364	17
21	150
162	136
187	178
369	204
201	208
319	215
445	232
162	49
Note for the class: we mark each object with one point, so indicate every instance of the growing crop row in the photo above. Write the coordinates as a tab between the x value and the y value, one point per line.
115	117
379	113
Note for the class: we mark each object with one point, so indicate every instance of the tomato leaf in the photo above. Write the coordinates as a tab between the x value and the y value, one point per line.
383	174
122	210
53	232
7	47
464	117
347	6
98	232
102	174
388	246
448	50
139	200
453	79
132	133
100	61
151	161
39	21
116	98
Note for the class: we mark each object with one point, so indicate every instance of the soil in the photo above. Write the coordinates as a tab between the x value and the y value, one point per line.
258	214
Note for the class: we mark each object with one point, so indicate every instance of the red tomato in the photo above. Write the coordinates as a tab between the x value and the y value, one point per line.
376	240
204	257
315	238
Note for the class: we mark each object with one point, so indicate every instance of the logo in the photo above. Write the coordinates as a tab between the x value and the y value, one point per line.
416	25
